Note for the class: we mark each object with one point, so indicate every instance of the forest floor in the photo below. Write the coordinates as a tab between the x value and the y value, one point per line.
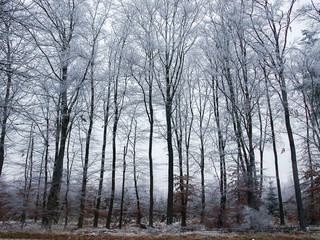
12	230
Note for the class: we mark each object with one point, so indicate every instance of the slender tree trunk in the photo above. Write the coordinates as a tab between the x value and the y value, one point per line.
203	193
103	154
183	210
293	159
135	178
170	149
125	149
38	190
251	167
103	157
188	130
240	162
151	122
275	154
295	172
69	170
27	178
221	147
261	149
44	198
312	202
114	158
54	194
178	129
86	158
5	107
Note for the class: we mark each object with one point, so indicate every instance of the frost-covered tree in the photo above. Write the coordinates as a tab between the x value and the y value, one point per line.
271	24
15	56
175	27
56	31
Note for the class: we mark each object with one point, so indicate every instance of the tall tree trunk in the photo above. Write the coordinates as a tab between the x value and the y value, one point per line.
27	177
151	122
170	165
135	178
293	156
118	106
45	188
187	137
37	208
178	129
203	193
125	150
275	154
114	159
170	148
103	157
311	169
5	107
277	60
54	194
86	158
69	171
261	148
221	147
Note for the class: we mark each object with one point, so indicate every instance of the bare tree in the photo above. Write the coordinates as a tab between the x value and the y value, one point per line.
274	146
271	33
27	176
135	176
142	14
58	24
15	55
175	33
119	81
96	23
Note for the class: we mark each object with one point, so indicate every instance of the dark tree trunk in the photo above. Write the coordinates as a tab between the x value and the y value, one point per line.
188	130
221	147
151	122
103	154
5	107
69	170
37	207
27	178
114	159
203	193
251	168
114	153
135	179
277	60
44	198
118	105
261	149
86	158
275	154
168	102
297	188
178	129
125	149
54	194
311	169
103	157
170	160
